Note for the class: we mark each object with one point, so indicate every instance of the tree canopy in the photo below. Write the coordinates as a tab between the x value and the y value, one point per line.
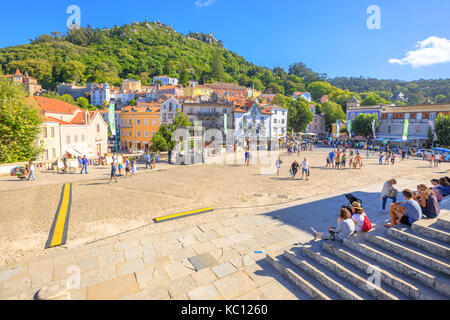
19	124
442	129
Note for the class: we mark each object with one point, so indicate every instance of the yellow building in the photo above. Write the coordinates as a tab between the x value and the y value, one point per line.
138	125
131	85
198	90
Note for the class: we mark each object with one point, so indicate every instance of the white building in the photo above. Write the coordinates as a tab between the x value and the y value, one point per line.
81	132
304	95
168	110
278	121
165	80
100	93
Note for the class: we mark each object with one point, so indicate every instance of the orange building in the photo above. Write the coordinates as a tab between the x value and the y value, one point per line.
224	90
131	85
138	126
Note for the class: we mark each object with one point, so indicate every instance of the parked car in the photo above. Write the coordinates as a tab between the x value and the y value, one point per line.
420	153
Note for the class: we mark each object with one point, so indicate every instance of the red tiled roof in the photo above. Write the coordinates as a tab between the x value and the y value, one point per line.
52	105
51	119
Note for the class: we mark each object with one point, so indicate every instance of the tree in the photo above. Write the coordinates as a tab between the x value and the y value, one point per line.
163	138
275	88
217	71
132	102
320	88
19	124
362	125
83	103
332	112
184	77
442	129
299	115
373	99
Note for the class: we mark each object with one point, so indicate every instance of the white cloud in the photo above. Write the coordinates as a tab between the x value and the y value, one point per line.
204	3
432	50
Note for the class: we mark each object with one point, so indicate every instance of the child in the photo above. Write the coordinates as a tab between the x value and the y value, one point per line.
120	168
113	172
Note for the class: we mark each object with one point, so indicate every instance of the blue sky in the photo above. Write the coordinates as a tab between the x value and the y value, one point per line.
328	36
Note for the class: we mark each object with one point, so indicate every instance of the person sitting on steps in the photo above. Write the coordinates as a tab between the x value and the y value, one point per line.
345	228
405	212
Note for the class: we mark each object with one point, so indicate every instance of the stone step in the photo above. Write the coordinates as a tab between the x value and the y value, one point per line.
409	269
326	279
306	286
423	226
349	275
414	255
443	220
389	277
405	235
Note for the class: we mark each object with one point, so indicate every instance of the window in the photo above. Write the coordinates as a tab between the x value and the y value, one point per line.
67	139
146	122
129	122
138	121
154	122
224	110
170	106
282	121
52	132
130	134
432	116
274	120
44	132
389	129
146	134
153	134
419	116
138	133
164	117
45	154
406	115
53	153
98	128
417	130
82	138
171	115
75	138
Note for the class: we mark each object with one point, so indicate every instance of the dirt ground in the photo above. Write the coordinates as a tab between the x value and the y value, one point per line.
100	210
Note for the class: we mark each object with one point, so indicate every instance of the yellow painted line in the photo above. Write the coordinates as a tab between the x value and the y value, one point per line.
182	214
58	232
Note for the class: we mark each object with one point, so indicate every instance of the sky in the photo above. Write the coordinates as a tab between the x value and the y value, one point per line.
407	40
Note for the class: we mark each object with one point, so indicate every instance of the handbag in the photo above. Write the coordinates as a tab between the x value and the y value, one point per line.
392	193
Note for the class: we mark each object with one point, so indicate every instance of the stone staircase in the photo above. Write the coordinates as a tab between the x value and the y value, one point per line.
385	264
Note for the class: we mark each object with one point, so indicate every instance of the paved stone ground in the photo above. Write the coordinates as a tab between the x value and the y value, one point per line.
145	264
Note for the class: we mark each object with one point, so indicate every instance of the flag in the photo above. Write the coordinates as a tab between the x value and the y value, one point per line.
431	123
405	130
349	127
373	128
338	128
225	123
112	118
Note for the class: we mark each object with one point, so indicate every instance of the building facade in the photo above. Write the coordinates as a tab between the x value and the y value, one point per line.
165	80
420	118
131	85
30	84
168	110
223	90
304	95
100	93
81	132
138	126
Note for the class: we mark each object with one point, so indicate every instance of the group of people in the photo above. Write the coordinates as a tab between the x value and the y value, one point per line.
350	220
295	166
130	168
338	159
422	202
388	156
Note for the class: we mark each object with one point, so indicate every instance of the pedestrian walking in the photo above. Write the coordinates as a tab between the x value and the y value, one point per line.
127	166
113	173
31	169
305	169
85	164
133	167
278	165
148	161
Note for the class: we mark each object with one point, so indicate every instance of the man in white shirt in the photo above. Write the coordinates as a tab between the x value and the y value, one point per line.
31	168
305	168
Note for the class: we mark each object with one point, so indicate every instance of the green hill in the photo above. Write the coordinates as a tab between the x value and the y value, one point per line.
143	50
138	51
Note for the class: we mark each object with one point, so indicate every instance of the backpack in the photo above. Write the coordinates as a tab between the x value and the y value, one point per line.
367	226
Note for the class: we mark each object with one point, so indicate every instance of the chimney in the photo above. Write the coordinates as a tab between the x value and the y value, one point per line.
86	118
